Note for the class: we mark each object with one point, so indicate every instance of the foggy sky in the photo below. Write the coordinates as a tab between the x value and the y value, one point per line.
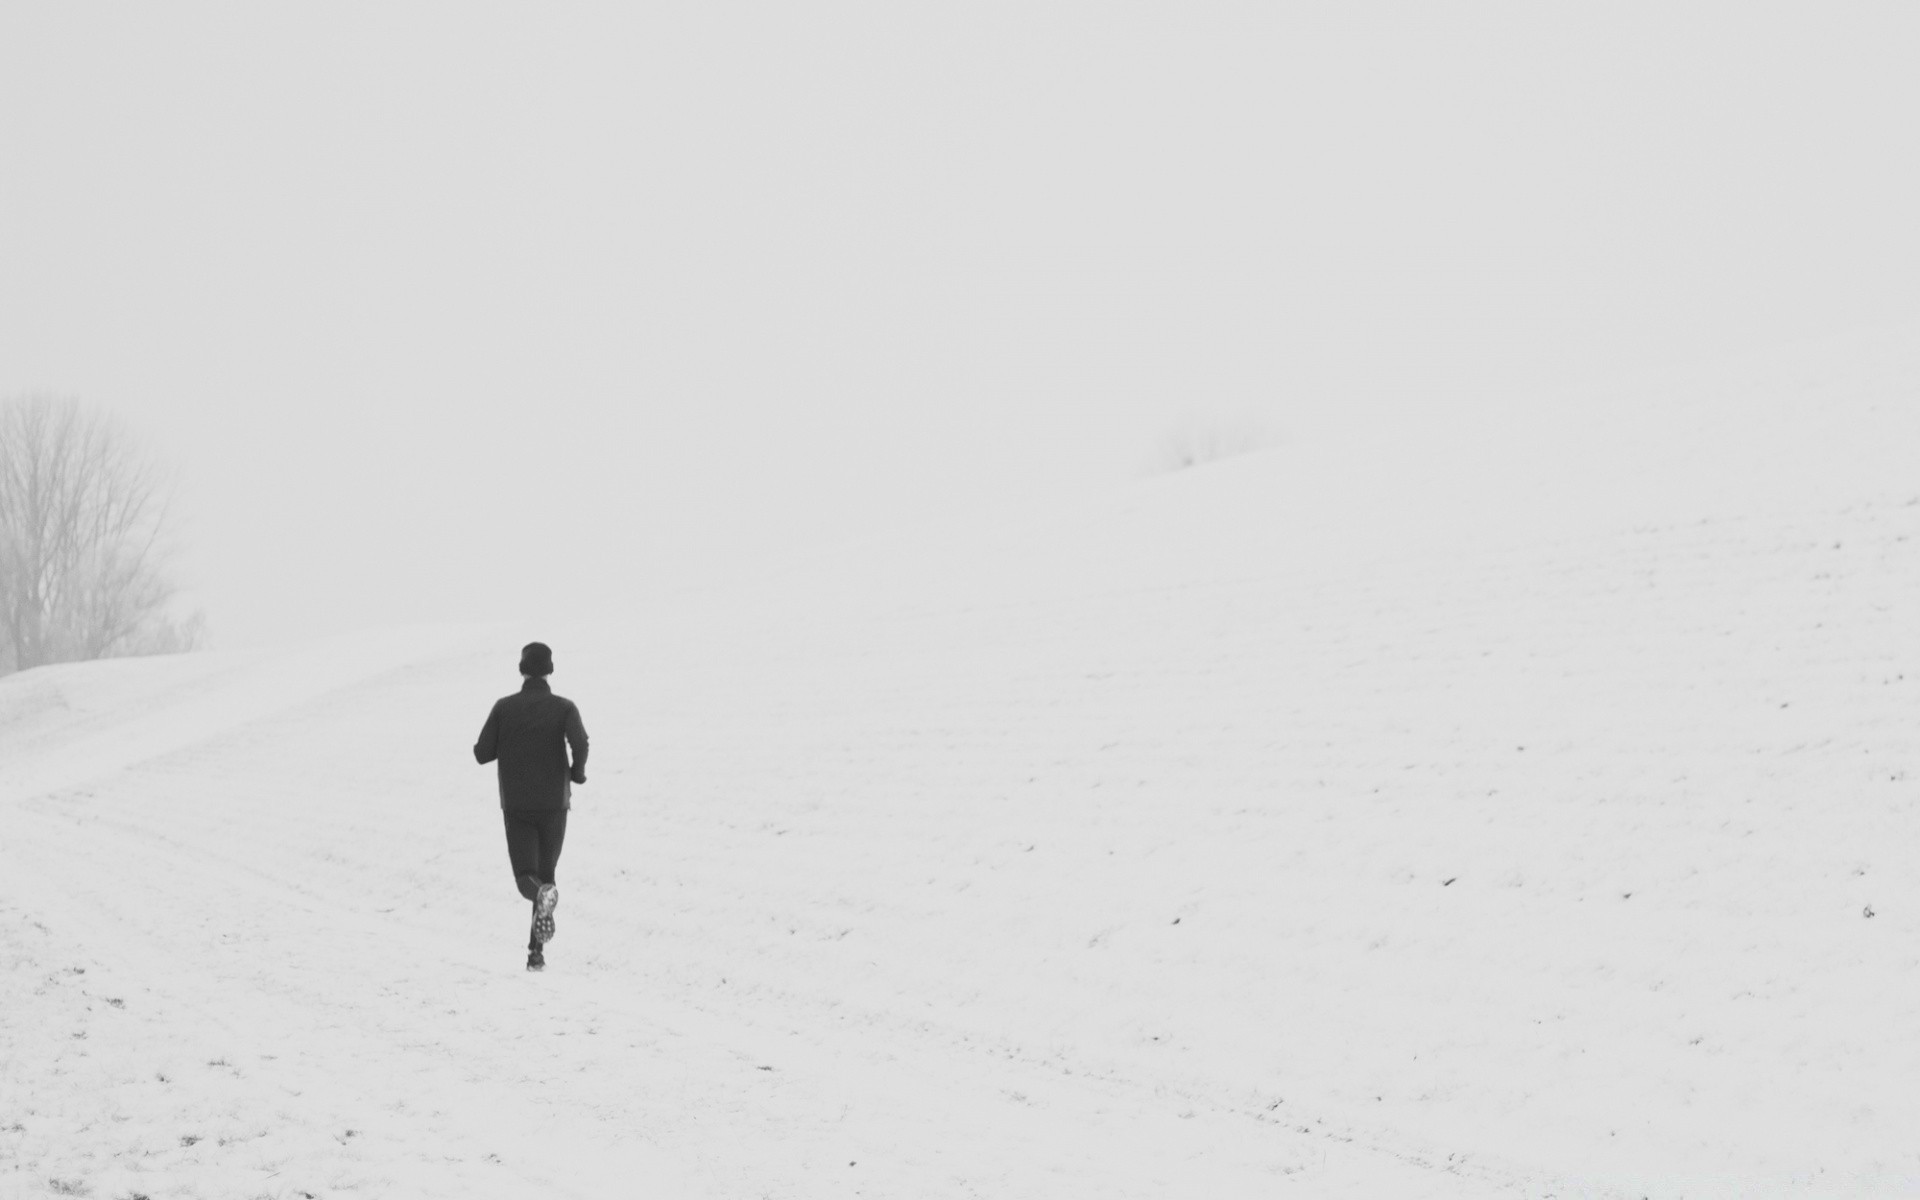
451	312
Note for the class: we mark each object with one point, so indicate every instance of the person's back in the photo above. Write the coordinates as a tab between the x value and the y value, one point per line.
529	734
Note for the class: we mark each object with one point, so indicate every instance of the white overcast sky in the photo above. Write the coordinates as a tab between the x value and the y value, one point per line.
461	311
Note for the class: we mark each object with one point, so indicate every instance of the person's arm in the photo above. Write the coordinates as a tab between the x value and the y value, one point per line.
488	747
577	739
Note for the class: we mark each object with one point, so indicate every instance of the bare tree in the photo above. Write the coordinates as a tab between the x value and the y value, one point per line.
82	513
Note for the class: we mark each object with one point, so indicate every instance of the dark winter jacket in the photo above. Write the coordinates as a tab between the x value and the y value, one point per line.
529	733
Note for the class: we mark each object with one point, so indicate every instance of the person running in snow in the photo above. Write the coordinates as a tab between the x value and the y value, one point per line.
529	733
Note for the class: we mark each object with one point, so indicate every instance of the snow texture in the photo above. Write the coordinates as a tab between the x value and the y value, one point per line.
1448	812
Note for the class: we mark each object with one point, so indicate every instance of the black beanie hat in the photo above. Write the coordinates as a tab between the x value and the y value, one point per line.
536	659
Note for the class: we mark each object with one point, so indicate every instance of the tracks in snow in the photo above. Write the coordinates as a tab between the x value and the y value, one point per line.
419	1020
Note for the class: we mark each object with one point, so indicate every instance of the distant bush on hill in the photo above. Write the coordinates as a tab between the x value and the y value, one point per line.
82	517
1197	441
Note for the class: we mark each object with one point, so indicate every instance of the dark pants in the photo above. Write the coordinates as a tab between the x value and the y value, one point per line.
533	847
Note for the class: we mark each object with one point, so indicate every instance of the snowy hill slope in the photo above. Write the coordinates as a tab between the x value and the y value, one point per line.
1322	823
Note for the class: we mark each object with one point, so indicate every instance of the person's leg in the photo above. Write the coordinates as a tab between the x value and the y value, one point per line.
553	834
523	851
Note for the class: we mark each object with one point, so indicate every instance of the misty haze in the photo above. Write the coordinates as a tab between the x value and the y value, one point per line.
959	601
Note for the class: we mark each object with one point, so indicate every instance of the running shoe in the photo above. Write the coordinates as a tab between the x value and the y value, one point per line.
543	906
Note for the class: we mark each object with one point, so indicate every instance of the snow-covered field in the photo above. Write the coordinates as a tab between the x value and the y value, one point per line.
1391	814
